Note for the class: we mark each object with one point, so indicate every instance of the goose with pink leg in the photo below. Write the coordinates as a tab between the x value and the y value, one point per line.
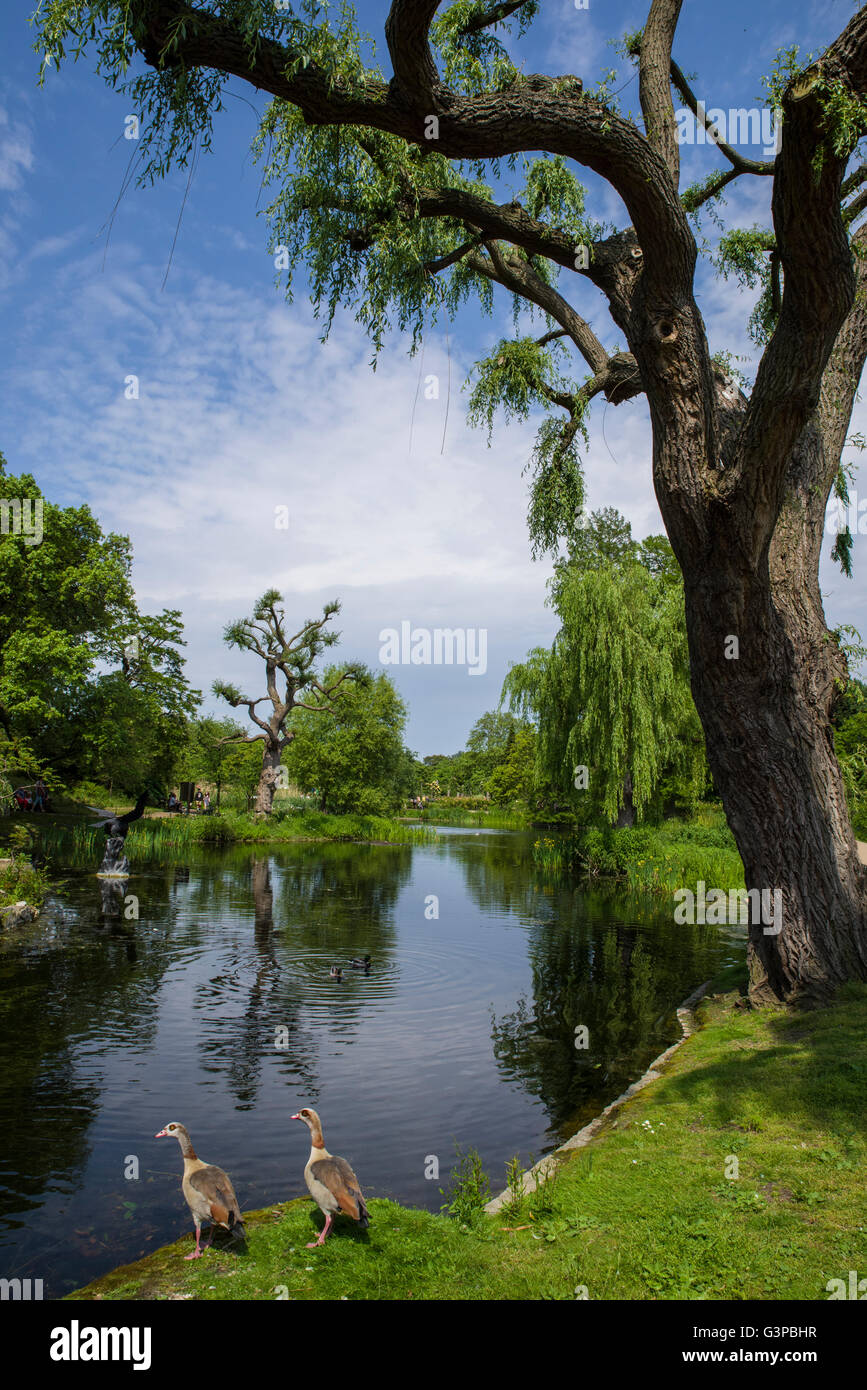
331	1182
209	1193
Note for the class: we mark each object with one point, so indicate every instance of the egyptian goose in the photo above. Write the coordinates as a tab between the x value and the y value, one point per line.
336	973
208	1190
331	1182
360	963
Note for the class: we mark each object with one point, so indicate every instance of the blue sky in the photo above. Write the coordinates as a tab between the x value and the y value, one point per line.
242	410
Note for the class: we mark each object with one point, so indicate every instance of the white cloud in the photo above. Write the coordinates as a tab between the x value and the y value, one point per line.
242	411
16	151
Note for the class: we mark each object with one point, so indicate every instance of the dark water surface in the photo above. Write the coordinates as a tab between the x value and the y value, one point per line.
463	1030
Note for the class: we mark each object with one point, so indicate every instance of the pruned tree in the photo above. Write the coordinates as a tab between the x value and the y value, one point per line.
380	189
288	661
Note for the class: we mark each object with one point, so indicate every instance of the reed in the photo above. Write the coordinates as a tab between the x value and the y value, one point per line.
169	837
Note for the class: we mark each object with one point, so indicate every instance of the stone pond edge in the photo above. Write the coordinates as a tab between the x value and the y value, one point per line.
547	1166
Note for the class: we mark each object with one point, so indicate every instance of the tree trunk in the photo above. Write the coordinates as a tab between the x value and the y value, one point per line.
766	717
267	780
626	814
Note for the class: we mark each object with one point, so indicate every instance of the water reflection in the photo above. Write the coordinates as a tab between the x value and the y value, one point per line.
215	1007
620	980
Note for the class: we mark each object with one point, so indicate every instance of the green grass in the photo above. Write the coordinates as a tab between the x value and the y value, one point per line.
497	819
167	836
676	854
646	1212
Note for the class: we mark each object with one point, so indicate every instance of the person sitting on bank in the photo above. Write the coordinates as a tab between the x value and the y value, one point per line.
173	802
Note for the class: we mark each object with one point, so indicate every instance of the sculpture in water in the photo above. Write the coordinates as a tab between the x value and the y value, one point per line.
115	863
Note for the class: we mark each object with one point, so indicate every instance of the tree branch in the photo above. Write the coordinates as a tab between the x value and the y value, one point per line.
857	205
855	180
530	116
495	15
406	33
443	263
741	164
519	276
819	290
654	86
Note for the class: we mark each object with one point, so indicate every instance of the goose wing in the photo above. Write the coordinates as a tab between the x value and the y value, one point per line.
338	1177
215	1187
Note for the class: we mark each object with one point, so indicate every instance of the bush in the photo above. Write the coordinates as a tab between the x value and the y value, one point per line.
373	801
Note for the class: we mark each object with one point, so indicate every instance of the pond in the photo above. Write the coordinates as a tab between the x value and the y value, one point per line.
215	1008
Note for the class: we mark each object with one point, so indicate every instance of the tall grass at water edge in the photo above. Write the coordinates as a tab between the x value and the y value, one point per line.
675	854
80	845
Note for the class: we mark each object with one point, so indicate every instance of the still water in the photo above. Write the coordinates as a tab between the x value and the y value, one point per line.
215	1008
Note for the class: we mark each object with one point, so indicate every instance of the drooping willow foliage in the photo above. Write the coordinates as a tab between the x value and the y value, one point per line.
612	694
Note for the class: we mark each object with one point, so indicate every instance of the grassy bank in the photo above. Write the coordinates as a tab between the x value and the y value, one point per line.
651	1210
153	837
675	854
498	819
20	882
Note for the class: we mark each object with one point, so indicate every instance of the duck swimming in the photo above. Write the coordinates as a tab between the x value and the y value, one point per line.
336	973
360	963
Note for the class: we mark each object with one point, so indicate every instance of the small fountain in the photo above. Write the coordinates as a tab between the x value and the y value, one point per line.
114	862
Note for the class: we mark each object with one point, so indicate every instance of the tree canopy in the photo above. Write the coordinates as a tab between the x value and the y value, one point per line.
90	687
354	759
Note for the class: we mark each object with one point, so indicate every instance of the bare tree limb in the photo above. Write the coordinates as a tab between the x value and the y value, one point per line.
654	86
495	15
519	276
406	33
740	163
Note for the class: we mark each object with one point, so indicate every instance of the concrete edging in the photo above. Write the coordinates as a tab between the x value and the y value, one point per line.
548	1165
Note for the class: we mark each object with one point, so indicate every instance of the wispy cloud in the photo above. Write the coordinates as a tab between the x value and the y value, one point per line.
16	151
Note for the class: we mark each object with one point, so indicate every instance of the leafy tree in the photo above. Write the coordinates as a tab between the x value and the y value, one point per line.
379	189
356	760
291	658
606	536
66	608
211	755
513	779
134	719
492	732
612	695
56	598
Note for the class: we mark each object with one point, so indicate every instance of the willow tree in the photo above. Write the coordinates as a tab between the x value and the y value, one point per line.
380	189
612	696
289	673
